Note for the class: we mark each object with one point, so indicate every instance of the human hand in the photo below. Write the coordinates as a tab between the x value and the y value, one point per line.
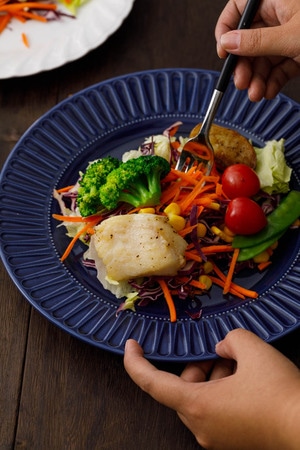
269	52
248	399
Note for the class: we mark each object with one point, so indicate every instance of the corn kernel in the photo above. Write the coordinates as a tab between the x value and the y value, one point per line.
214	205
261	257
177	222
228	231
225	237
201	230
206	281
147	211
208	267
172	208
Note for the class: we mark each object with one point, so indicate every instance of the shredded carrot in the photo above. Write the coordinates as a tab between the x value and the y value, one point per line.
187	230
170	194
23	11
263	265
199	188
192	176
234	286
231	270
169	299
4	20
64	189
11	7
33	16
134	210
193	256
74	240
221	283
217	248
244	291
25	40
78	219
194	283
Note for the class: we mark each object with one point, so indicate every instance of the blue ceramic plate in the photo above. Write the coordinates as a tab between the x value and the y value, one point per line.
110	118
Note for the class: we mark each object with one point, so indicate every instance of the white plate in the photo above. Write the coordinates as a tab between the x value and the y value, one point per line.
58	42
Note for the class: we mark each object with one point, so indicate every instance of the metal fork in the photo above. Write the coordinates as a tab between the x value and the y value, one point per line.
198	149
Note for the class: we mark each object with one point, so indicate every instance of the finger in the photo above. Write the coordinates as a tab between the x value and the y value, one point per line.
222	368
262	67
164	387
207	370
280	75
249	351
243	73
235	343
228	20
197	372
260	41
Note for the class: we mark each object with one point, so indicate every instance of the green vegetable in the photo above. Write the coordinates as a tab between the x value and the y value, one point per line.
72	5
136	181
271	168
250	252
88	199
278	222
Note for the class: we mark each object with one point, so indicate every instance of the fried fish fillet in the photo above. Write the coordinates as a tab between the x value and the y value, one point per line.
230	147
137	245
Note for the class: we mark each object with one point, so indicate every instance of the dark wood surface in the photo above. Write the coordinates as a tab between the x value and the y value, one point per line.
56	392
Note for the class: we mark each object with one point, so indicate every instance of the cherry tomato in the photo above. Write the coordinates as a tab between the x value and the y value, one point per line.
244	216
240	180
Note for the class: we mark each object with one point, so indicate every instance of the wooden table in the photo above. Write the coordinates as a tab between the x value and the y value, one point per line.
56	392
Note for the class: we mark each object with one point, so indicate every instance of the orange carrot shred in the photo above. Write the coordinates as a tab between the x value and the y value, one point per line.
4	20
263	265
25	40
33	16
230	273
169	299
217	248
221	283
64	189
23	11
89	219
193	256
74	240
27	5
234	287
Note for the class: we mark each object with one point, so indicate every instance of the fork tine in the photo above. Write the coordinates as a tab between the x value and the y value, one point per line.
188	160
185	161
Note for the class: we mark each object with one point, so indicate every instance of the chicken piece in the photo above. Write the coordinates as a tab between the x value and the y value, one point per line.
138	245
230	147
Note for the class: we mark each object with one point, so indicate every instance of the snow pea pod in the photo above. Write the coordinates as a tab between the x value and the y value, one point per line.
249	252
278	222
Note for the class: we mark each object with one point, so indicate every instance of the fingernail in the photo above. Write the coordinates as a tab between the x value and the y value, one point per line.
127	344
231	41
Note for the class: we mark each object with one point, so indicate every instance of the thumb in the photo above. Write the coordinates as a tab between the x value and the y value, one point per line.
272	41
238	343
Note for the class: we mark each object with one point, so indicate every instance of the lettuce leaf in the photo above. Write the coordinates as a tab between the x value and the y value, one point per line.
272	169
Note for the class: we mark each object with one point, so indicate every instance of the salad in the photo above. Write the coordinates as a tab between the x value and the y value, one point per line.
229	221
39	10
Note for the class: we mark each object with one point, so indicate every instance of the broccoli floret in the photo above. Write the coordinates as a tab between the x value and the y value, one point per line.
136	182
88	199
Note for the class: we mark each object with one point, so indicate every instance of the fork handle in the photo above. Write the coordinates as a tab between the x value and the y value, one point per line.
231	60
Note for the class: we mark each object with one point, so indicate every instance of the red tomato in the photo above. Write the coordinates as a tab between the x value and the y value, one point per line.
240	180
244	216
